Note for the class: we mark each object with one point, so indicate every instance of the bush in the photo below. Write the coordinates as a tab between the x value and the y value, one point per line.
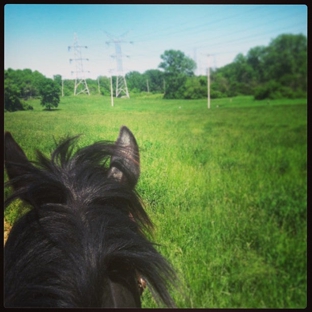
50	94
273	90
215	94
12	105
26	106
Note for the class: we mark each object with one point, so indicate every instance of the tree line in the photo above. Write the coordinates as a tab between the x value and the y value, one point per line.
278	70
22	85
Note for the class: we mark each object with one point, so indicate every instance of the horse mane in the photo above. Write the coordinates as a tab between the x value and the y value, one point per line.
77	241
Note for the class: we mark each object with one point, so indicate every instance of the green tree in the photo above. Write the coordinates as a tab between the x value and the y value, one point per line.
11	96
58	79
195	87
255	58
176	62
68	87
275	71
27	87
13	90
177	67
286	61
155	80
36	80
135	82
239	75
219	86
50	93
104	85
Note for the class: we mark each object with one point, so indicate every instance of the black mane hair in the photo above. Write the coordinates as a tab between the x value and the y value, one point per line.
84	242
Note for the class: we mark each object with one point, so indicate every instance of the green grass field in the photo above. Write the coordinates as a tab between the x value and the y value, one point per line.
225	187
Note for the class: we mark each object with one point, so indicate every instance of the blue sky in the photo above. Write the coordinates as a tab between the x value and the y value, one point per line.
38	36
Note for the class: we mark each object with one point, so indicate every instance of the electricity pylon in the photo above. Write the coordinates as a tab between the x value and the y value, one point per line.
121	83
80	73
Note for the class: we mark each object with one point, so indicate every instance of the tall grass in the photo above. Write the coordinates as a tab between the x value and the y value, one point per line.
225	187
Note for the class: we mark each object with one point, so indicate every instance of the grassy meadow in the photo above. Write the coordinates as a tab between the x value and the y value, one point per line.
226	188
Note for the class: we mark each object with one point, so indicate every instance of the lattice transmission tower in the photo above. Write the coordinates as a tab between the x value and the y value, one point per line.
121	83
80	80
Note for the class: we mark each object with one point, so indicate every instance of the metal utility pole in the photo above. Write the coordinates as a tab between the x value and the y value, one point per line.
147	85
80	73
112	96
121	83
208	84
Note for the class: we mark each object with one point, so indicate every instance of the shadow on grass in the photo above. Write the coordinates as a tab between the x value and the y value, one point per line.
51	109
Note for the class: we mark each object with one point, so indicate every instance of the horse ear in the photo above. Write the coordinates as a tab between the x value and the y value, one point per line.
125	165
15	159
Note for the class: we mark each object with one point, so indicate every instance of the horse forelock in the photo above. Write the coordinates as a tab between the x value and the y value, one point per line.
80	228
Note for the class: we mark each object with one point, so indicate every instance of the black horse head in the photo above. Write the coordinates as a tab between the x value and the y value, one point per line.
83	243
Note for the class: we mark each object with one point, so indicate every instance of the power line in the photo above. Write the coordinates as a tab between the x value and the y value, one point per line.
219	47
164	32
